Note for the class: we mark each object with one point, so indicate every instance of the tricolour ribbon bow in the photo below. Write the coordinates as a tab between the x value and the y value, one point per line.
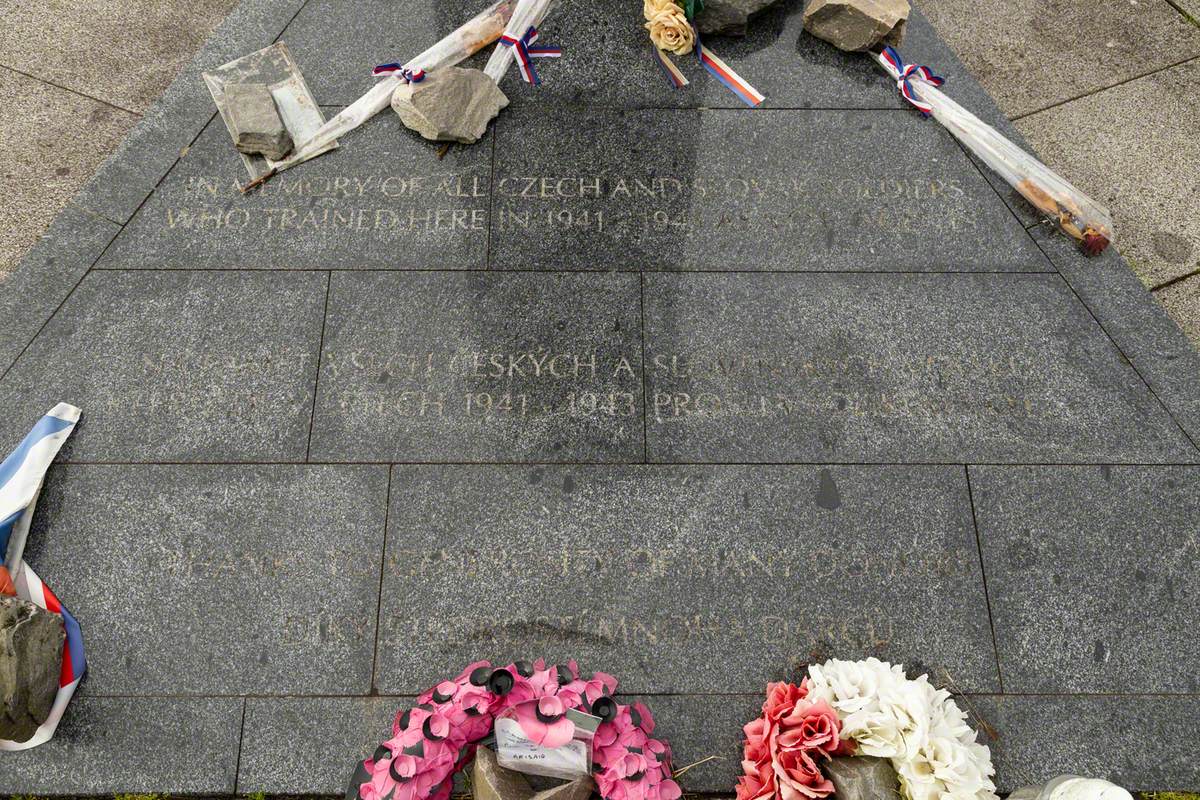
526	52
905	74
409	75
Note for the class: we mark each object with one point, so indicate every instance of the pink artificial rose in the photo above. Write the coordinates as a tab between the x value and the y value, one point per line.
811	726
757	782
758	741
782	698
799	777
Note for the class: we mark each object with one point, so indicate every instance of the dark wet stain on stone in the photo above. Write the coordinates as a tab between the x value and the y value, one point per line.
828	497
1171	247
1101	653
1106	472
568	484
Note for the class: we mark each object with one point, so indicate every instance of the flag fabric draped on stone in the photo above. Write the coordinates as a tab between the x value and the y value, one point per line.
21	477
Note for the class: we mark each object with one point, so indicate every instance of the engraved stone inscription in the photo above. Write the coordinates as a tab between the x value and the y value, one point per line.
948	368
743	192
482	367
729	575
387	202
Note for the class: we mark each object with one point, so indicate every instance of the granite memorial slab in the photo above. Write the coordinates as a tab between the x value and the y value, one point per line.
736	191
107	746
387	202
47	274
1091	573
309	745
217	579
1142	742
891	368
683	579
480	367
1137	324
607	58
188	366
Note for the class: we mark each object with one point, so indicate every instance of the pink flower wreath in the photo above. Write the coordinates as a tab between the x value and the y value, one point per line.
437	738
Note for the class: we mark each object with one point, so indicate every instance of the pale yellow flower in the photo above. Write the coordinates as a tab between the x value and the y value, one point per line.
652	7
669	27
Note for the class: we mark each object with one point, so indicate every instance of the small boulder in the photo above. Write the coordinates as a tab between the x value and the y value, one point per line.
257	126
857	25
31	650
579	789
490	781
729	17
449	105
863	778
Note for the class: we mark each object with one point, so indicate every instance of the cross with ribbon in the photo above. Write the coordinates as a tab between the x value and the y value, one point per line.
526	52
409	75
905	74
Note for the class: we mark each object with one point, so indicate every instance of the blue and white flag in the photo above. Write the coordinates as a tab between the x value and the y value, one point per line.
21	477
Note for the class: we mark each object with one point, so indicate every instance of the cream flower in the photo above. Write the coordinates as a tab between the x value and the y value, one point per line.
669	27
652	7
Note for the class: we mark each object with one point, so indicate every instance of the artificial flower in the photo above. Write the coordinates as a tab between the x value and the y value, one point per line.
799	777
811	726
669	27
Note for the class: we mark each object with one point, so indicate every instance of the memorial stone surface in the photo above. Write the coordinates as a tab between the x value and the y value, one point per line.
692	393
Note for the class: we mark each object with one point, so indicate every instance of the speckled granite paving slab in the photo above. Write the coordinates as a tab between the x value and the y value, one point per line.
689	392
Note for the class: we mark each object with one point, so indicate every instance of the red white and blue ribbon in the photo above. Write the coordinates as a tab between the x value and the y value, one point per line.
716	67
525	51
409	75
725	74
21	476
905	74
677	78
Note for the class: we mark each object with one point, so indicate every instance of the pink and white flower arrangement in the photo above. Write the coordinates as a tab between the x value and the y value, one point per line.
866	708
435	739
784	747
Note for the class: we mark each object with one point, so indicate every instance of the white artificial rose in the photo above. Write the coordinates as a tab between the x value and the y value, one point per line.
908	704
916	779
1073	788
851	686
876	732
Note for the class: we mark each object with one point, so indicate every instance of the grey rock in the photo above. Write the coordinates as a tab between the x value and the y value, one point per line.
855	25
449	105
1101	598
863	778
621	541
490	781
729	17
891	368
578	789
31	646
257	126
